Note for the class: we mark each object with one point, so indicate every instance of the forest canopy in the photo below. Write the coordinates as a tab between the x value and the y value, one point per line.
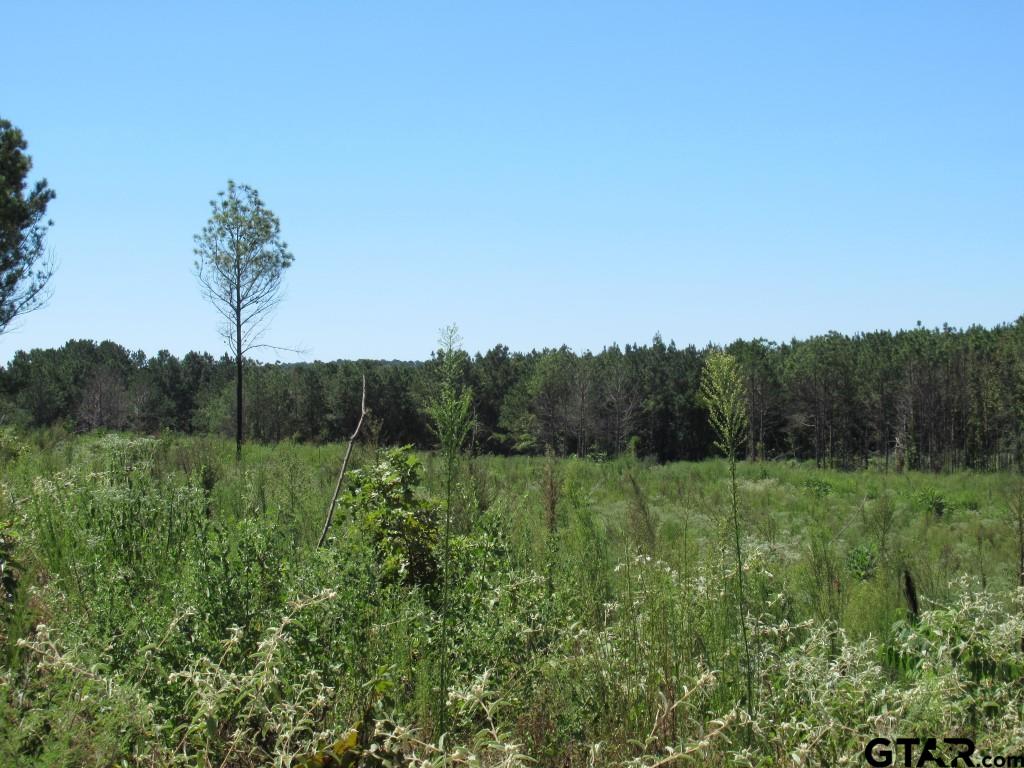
934	399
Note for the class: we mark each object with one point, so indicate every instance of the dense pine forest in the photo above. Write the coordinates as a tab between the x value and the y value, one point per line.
929	399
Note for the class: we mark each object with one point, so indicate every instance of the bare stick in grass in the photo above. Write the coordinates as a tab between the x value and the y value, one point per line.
344	467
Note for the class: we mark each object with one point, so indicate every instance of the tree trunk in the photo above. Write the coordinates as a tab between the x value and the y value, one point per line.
238	371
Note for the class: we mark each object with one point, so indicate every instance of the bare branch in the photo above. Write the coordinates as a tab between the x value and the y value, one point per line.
344	466
292	350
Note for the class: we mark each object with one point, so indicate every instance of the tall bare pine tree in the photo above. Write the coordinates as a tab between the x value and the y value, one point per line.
240	263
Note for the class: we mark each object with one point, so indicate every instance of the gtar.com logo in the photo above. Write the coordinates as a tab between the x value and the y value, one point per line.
910	752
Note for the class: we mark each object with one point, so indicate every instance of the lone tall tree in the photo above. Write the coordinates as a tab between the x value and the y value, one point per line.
24	270
240	262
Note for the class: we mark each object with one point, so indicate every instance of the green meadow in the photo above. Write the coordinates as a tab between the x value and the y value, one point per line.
167	605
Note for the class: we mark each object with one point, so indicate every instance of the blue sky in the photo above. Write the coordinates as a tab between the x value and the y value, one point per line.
540	173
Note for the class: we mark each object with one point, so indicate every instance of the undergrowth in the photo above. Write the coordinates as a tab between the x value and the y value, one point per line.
165	606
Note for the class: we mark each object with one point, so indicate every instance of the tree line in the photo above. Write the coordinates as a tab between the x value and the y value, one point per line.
924	398
934	399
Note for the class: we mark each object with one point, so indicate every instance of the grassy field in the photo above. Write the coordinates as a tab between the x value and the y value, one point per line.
166	605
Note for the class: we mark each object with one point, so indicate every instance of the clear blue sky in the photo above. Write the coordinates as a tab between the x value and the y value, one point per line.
540	173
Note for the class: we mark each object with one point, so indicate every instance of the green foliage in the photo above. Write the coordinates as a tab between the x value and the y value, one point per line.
449	409
931	400
403	529
818	487
862	562
172	609
721	387
240	263
66	711
11	445
242	234
723	394
10	574
24	271
933	502
450	413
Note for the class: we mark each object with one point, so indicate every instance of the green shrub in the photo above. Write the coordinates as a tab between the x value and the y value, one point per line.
862	561
817	487
402	527
11	445
933	502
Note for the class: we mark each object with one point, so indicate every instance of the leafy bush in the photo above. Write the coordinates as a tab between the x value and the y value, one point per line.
402	528
861	562
818	488
11	446
933	502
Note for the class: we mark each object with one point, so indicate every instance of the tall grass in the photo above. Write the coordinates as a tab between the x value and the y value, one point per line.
723	392
450	414
171	608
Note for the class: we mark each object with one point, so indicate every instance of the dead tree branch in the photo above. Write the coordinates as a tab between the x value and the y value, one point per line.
344	467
